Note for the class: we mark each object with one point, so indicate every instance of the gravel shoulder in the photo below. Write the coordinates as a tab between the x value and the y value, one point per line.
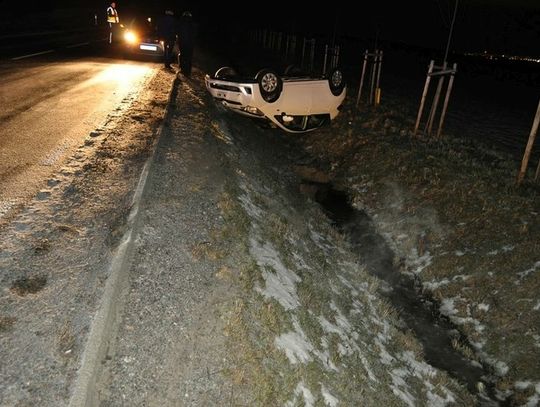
56	252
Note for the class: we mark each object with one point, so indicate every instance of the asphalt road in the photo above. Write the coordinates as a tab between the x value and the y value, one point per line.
50	103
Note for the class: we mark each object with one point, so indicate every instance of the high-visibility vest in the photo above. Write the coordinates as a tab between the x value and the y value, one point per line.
112	15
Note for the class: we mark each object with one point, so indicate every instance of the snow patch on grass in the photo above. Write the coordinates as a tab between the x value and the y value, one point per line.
505	249
280	281
252	210
483	307
301	392
296	345
525	273
433	285
416	263
534	400
328	398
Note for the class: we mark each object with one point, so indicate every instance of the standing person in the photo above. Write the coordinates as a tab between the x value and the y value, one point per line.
186	41
113	20
167	30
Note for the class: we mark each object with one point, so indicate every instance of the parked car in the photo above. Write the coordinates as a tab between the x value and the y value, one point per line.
140	37
293	102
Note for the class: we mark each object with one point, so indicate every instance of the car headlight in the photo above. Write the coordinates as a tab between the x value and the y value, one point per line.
130	37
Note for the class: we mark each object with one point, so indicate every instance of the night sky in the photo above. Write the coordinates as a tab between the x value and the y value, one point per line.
511	26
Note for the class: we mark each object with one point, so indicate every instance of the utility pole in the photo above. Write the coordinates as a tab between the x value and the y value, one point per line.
450	33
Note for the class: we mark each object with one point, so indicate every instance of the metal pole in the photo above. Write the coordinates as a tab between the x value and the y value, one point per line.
303	53
451	32
424	95
362	78
446	100
529	147
312	56
325	56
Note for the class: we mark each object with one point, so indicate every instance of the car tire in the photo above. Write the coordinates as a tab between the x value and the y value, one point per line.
336	81
270	85
225	72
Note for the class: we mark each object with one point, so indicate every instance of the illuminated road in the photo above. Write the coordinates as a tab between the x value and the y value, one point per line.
49	106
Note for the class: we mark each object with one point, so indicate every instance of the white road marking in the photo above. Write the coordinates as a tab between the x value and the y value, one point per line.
33	55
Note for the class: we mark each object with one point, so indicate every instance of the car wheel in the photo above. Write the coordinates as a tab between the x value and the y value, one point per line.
336	81
225	72
270	84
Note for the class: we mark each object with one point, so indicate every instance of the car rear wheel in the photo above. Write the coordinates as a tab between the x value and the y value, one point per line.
270	85
336	81
225	72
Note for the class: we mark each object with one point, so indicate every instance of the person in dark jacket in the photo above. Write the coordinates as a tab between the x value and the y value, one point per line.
186	39
167	27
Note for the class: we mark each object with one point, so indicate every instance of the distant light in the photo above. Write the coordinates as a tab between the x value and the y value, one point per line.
149	19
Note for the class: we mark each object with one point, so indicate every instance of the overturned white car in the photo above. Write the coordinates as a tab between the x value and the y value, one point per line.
293	103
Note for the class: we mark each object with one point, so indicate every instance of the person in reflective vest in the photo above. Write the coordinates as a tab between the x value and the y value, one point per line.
113	20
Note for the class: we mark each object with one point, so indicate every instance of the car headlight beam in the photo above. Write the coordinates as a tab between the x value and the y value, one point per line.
130	37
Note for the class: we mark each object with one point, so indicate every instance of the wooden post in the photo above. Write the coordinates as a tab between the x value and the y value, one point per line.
529	147
446	100
373	73
435	104
537	171
424	95
362	78
378	58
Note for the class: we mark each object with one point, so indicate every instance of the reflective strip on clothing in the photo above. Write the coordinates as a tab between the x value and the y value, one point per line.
112	15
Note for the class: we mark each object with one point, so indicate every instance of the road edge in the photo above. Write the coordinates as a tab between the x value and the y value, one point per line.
103	323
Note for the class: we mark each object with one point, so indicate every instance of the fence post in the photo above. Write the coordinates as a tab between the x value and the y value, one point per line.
529	147
325	57
378	58
335	61
372	73
362	78
312	55
435	105
446	100
303	52
424	95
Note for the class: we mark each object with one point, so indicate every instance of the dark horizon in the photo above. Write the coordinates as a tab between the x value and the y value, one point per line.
502	26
